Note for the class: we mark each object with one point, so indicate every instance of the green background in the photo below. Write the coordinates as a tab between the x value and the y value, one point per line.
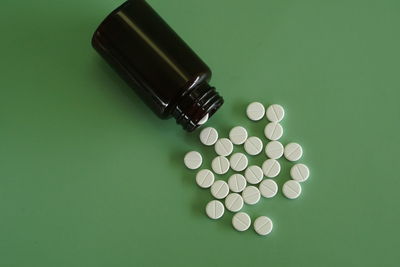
90	177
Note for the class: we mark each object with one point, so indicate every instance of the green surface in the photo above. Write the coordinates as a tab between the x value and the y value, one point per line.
89	177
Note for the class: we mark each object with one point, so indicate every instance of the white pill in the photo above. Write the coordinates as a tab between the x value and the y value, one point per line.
275	113
253	174
238	162
273	131
291	189
274	150
208	136
253	146
205	178
223	147
255	111
251	195
220	165
234	202
203	120
219	189
293	152
299	172
238	135
263	225
237	183
268	188
193	160
241	221
215	209
271	168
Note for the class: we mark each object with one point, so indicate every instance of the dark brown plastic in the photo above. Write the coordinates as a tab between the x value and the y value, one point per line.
157	64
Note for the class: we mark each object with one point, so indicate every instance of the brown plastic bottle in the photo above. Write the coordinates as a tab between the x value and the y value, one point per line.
157	64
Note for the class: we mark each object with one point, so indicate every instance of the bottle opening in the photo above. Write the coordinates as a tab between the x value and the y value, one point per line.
197	107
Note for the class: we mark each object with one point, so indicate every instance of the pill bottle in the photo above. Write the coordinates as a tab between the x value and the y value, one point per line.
163	70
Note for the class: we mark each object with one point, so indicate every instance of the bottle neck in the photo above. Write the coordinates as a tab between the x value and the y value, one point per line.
201	101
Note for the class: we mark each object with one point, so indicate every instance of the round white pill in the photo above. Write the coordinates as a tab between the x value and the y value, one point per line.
275	113
220	165
237	183
300	172
193	160
271	168
255	111
263	225
293	152
238	135
273	131
253	174
234	202
223	147
274	150
215	209
253	146
241	221
203	120
291	189
238	162
251	195
219	189
205	178
208	136
268	188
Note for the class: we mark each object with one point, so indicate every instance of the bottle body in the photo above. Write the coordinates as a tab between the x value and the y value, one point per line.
157	64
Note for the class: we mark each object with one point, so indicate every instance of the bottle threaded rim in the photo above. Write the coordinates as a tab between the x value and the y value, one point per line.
194	106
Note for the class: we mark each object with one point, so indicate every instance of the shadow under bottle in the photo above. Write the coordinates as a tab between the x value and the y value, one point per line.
157	64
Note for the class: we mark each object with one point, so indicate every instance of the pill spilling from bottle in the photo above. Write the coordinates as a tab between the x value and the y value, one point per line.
249	183
179	88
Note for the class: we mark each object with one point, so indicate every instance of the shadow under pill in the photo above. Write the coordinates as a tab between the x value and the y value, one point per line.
239	108
199	204
192	138
257	129
225	222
